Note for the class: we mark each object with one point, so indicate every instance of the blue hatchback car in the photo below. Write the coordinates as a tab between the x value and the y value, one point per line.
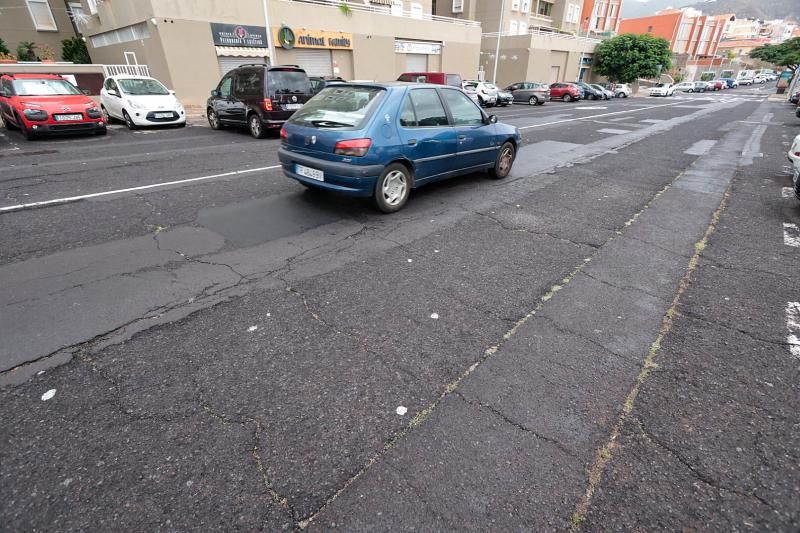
381	140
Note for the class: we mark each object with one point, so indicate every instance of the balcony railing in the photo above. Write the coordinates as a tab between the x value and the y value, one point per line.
550	32
380	10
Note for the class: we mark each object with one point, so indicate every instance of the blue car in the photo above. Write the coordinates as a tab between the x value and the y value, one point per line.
381	140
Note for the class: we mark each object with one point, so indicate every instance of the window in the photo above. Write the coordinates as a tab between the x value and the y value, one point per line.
339	107
408	118
523	28
121	35
513	27
428	108
453	80
463	110
514	5
570	12
458	6
416	11
526	6
6	86
42	16
249	83
545	8
224	88
92	6
76	11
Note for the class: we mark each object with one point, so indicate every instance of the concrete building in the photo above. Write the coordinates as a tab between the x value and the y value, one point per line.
741	29
688	30
601	16
190	44
44	22
539	39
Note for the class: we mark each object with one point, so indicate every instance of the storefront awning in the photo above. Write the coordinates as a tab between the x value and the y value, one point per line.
241	51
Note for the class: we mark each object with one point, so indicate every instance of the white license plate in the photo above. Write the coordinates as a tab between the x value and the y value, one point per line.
77	116
312	173
292	107
163	115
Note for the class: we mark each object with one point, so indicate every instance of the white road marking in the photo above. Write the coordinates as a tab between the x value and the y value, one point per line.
627	111
791	235
69	199
592	107
613	131
652	120
619	119
793	325
701	147
787	192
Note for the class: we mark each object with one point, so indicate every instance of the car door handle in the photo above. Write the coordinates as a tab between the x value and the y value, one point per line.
462	138
412	142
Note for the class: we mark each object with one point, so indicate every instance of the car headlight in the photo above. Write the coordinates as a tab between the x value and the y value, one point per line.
35	114
133	104
93	112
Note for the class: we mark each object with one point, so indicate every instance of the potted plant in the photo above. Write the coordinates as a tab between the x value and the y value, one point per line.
26	51
7	59
47	54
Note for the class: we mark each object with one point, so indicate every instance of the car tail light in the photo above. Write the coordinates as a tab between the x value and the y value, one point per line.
284	136
354	147
267	104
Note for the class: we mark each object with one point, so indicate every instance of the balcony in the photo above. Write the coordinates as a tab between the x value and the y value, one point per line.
388	11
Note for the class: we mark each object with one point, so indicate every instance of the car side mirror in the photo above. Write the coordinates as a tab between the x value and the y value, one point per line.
87	92
492	119
215	93
112	92
172	92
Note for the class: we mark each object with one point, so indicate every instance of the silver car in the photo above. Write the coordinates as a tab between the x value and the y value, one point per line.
529	92
487	93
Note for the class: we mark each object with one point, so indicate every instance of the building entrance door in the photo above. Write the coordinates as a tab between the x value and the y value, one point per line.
555	74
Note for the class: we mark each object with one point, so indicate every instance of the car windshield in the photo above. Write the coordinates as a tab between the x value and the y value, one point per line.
490	86
43	87
339	107
288	81
661	84
137	86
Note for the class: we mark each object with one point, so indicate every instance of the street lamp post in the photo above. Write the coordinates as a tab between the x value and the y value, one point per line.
270	42
499	33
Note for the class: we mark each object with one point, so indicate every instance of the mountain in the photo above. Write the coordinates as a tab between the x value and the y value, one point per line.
760	9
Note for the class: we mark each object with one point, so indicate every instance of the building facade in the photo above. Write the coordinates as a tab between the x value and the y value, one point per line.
190	44
601	16
539	39
44	22
688	30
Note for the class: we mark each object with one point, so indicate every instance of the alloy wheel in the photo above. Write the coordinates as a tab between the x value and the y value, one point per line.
394	187
533	100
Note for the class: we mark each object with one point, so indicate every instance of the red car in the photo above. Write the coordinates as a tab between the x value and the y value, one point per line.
40	104
565	91
718	85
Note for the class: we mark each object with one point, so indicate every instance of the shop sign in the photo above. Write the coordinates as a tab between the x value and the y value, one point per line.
288	38
416	47
239	35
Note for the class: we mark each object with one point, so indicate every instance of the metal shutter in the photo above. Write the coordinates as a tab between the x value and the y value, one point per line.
314	62
416	63
227	64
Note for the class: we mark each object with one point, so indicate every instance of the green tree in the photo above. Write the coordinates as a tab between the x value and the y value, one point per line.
786	54
26	51
627	57
74	50
3	48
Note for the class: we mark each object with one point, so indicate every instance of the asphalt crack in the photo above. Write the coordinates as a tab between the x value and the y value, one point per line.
518	229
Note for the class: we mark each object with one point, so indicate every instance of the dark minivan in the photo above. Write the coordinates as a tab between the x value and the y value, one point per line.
260	97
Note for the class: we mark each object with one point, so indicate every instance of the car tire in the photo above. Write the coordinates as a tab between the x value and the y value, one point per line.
28	134
106	116
392	188
8	125
213	120
533	101
503	163
481	102
255	126
128	121
540	103
567	98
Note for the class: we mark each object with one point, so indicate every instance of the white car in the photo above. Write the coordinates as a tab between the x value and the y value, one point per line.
662	89
794	158
472	92
140	101
623	90
685	86
761	78
745	81
487	93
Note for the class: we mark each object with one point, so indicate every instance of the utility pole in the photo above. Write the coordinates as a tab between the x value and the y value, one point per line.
499	33
270	43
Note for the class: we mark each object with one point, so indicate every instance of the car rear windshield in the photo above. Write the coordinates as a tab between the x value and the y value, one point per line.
339	107
43	87
288	81
139	87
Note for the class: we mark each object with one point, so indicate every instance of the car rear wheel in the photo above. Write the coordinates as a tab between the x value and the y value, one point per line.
256	127
213	120
533	100
392	188
504	161
567	98
128	121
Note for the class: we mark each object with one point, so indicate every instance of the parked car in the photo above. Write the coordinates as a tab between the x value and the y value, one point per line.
622	90
794	159
761	78
140	101
46	104
589	92
745	81
320	82
662	89
530	92
382	140
487	92
568	92
684	86
472	92
504	98
795	98
439	78
717	85
258	97
730	82
608	94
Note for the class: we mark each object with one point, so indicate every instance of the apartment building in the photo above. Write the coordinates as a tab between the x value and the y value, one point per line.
539	39
741	29
189	44
44	22
688	30
601	16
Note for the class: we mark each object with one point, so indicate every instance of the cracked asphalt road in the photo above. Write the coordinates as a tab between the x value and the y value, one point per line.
232	354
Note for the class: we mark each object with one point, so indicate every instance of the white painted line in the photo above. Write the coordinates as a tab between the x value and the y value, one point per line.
626	112
652	120
787	192
619	119
20	207
791	235
793	325
613	131
701	147
592	107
